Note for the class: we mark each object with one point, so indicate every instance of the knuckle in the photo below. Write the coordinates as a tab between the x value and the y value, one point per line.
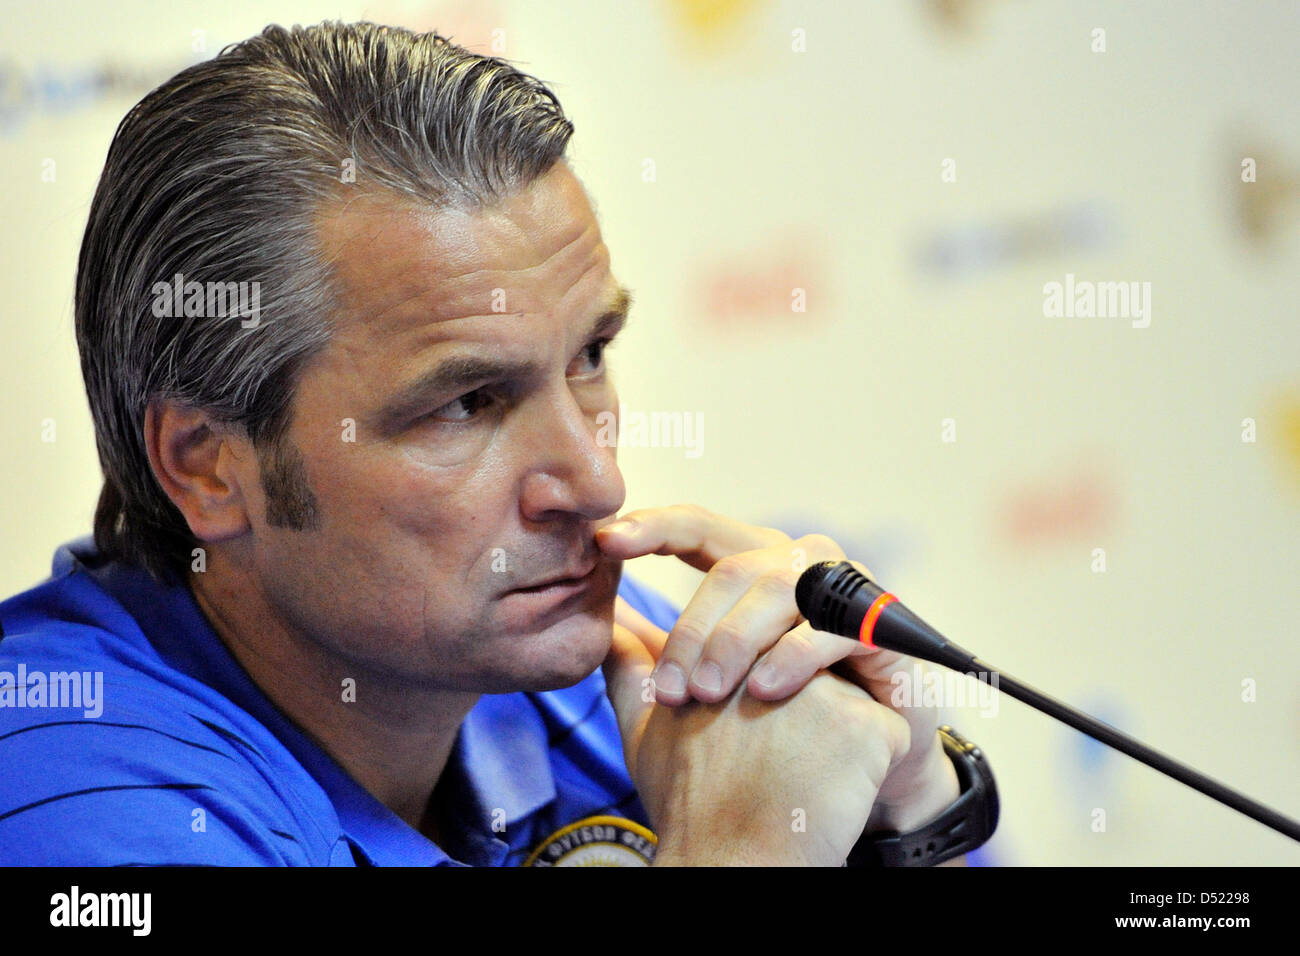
733	569
863	716
872	736
776	583
902	734
727	638
835	695
822	544
894	731
644	517
687	636
692	511
877	737
798	643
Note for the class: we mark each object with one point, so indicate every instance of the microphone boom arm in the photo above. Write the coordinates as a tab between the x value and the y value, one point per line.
838	598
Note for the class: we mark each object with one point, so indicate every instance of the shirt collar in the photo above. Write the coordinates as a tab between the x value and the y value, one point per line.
499	766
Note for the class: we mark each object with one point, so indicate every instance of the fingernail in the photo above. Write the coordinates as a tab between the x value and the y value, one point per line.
708	677
621	527
765	675
669	678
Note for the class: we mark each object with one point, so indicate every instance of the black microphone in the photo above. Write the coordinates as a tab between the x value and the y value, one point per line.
838	598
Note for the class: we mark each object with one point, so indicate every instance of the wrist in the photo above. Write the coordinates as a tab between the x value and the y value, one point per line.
918	835
726	850
757	837
935	789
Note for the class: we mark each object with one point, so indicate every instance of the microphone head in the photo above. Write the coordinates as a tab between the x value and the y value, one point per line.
837	598
808	586
825	594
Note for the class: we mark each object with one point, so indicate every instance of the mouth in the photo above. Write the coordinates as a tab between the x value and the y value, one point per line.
572	580
557	596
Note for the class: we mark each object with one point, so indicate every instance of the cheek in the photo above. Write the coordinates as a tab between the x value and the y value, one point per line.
434	526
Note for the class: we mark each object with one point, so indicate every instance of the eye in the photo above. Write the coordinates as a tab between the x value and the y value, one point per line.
594	354
462	409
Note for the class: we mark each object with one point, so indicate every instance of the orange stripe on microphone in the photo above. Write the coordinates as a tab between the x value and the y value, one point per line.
873	612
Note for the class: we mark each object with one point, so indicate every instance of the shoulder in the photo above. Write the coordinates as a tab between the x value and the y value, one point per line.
112	758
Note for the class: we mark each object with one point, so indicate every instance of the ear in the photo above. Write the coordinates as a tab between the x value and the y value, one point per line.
203	467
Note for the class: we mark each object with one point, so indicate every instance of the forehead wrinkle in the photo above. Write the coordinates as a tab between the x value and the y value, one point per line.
371	285
469	294
455	257
418	272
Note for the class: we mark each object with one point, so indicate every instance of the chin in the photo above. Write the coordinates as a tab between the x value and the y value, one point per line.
558	656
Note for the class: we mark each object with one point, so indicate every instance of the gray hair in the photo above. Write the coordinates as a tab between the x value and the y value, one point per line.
219	175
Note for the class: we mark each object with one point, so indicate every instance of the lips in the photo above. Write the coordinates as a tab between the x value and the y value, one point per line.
567	577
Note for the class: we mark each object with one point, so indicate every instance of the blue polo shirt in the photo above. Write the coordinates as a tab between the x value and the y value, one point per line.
130	735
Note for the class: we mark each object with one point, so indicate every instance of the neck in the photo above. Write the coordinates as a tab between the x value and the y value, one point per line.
394	740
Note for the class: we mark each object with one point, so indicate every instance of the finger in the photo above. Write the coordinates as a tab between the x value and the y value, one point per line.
879	672
743	606
699	537
722	588
796	658
765	612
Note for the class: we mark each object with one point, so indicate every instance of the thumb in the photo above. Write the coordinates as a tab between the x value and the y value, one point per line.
627	670
649	634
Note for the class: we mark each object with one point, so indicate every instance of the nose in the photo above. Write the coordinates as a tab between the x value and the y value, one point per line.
574	470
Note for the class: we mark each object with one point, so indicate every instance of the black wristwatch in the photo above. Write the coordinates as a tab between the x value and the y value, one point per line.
964	826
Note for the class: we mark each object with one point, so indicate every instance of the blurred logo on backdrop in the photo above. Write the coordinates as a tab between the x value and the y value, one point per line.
27	94
1091	771
711	24
958	16
969	250
1077	502
477	25
1286	412
782	281
1266	194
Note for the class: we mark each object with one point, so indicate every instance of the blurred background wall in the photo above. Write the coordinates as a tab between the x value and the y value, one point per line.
840	221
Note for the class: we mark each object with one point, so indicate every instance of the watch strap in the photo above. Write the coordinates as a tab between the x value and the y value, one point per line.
965	825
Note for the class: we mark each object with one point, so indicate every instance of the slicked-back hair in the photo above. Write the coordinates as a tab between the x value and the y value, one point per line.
219	176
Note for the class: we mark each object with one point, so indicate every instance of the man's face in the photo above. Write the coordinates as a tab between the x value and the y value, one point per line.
470	359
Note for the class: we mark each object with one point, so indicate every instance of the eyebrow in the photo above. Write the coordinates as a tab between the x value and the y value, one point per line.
458	373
